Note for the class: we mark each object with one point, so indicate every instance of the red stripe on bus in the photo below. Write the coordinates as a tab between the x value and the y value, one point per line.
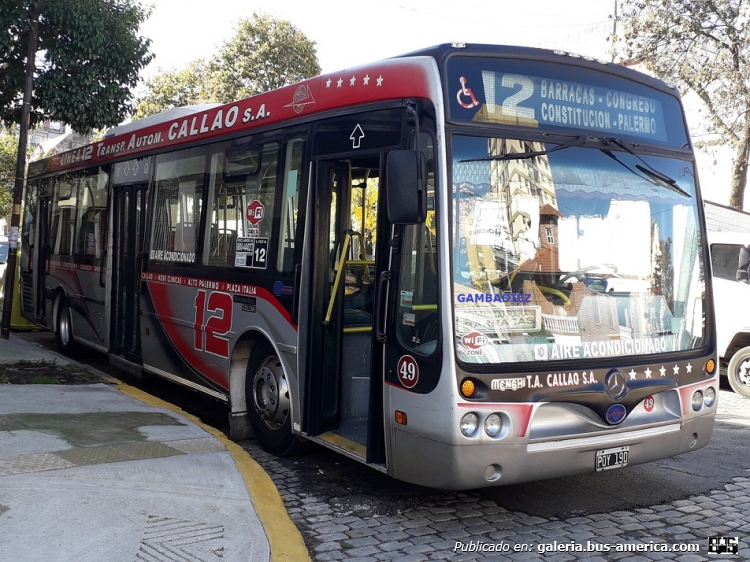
224	286
386	80
160	297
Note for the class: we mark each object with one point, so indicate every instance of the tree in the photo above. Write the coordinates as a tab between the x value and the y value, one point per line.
264	54
88	58
177	88
700	46
73	61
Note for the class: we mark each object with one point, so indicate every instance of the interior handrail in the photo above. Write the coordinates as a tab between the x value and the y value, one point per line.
341	267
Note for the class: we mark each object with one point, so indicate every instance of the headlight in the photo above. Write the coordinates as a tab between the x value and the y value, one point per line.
709	397
493	425
697	401
469	424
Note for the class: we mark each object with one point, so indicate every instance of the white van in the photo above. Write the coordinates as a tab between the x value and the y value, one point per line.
732	306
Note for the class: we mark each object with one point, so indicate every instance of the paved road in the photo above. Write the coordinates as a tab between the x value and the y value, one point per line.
348	512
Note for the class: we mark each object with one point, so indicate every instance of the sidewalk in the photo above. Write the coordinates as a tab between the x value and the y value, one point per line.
107	472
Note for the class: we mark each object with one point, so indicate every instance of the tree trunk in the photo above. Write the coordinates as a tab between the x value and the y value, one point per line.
15	219
739	172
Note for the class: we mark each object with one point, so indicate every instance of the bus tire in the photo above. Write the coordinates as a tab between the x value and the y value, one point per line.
269	403
738	372
64	328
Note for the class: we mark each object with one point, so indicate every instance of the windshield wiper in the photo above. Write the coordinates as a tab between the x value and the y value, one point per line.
579	140
660	178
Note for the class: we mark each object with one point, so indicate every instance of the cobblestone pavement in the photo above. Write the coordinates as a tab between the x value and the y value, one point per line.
421	524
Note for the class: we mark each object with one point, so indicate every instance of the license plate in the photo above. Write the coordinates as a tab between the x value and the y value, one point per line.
608	459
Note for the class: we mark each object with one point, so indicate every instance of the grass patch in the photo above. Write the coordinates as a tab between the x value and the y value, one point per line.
43	379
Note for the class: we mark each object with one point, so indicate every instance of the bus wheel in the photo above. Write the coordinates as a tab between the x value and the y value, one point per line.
738	372
64	329
268	403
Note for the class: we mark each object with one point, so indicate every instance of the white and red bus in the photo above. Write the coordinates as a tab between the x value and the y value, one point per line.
467	266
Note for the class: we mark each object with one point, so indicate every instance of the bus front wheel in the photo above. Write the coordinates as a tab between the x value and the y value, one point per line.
64	328
738	372
268	403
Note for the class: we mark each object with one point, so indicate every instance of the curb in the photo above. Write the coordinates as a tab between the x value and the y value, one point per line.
285	540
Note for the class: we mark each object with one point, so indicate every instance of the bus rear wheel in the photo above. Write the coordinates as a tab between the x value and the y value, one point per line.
738	372
64	328
268	403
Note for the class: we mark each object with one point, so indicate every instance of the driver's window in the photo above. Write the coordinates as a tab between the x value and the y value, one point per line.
417	317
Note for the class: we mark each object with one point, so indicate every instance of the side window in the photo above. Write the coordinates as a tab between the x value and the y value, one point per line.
64	211
417	316
92	215
177	210
724	260
242	189
290	204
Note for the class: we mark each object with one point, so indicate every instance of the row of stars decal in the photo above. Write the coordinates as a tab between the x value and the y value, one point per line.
353	81
662	371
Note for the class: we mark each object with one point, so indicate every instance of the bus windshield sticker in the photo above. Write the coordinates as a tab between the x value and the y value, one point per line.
407	298
499	319
251	252
609	348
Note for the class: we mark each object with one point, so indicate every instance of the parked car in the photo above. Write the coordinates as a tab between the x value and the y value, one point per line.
731	298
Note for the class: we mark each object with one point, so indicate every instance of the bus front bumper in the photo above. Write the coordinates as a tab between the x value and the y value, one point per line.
463	467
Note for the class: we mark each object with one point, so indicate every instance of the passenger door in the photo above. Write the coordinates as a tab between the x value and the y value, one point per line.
348	250
128	256
34	246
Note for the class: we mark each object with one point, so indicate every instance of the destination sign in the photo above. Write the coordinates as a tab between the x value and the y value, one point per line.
591	102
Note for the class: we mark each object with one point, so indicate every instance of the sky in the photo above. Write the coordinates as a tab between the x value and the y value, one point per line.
353	32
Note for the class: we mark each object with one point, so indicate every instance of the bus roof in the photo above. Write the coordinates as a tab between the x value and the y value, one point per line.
409	75
389	79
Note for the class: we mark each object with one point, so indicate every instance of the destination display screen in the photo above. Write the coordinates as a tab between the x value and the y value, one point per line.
544	95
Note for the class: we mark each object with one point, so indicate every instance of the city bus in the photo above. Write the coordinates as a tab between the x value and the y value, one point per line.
464	267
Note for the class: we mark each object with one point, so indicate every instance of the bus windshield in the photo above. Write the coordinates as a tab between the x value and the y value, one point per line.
575	253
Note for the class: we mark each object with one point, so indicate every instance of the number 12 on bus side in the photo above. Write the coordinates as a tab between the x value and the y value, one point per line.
607	459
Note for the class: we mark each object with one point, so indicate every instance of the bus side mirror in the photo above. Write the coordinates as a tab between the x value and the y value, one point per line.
406	172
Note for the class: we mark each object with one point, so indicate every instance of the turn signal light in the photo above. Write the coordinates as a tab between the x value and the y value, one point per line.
401	417
710	366
467	388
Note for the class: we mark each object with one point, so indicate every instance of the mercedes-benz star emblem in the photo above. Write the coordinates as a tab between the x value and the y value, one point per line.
614	382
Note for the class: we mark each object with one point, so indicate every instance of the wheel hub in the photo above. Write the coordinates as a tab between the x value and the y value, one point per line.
743	372
271	393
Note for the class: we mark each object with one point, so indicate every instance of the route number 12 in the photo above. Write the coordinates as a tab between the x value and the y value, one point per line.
213	321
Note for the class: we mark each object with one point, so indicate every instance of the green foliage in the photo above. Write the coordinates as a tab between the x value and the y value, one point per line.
8	152
87	62
703	47
264	54
177	88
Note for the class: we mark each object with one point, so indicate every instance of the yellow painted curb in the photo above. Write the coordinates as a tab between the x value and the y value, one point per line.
284	538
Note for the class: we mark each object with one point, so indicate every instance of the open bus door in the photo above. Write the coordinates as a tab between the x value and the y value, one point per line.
345	359
35	251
